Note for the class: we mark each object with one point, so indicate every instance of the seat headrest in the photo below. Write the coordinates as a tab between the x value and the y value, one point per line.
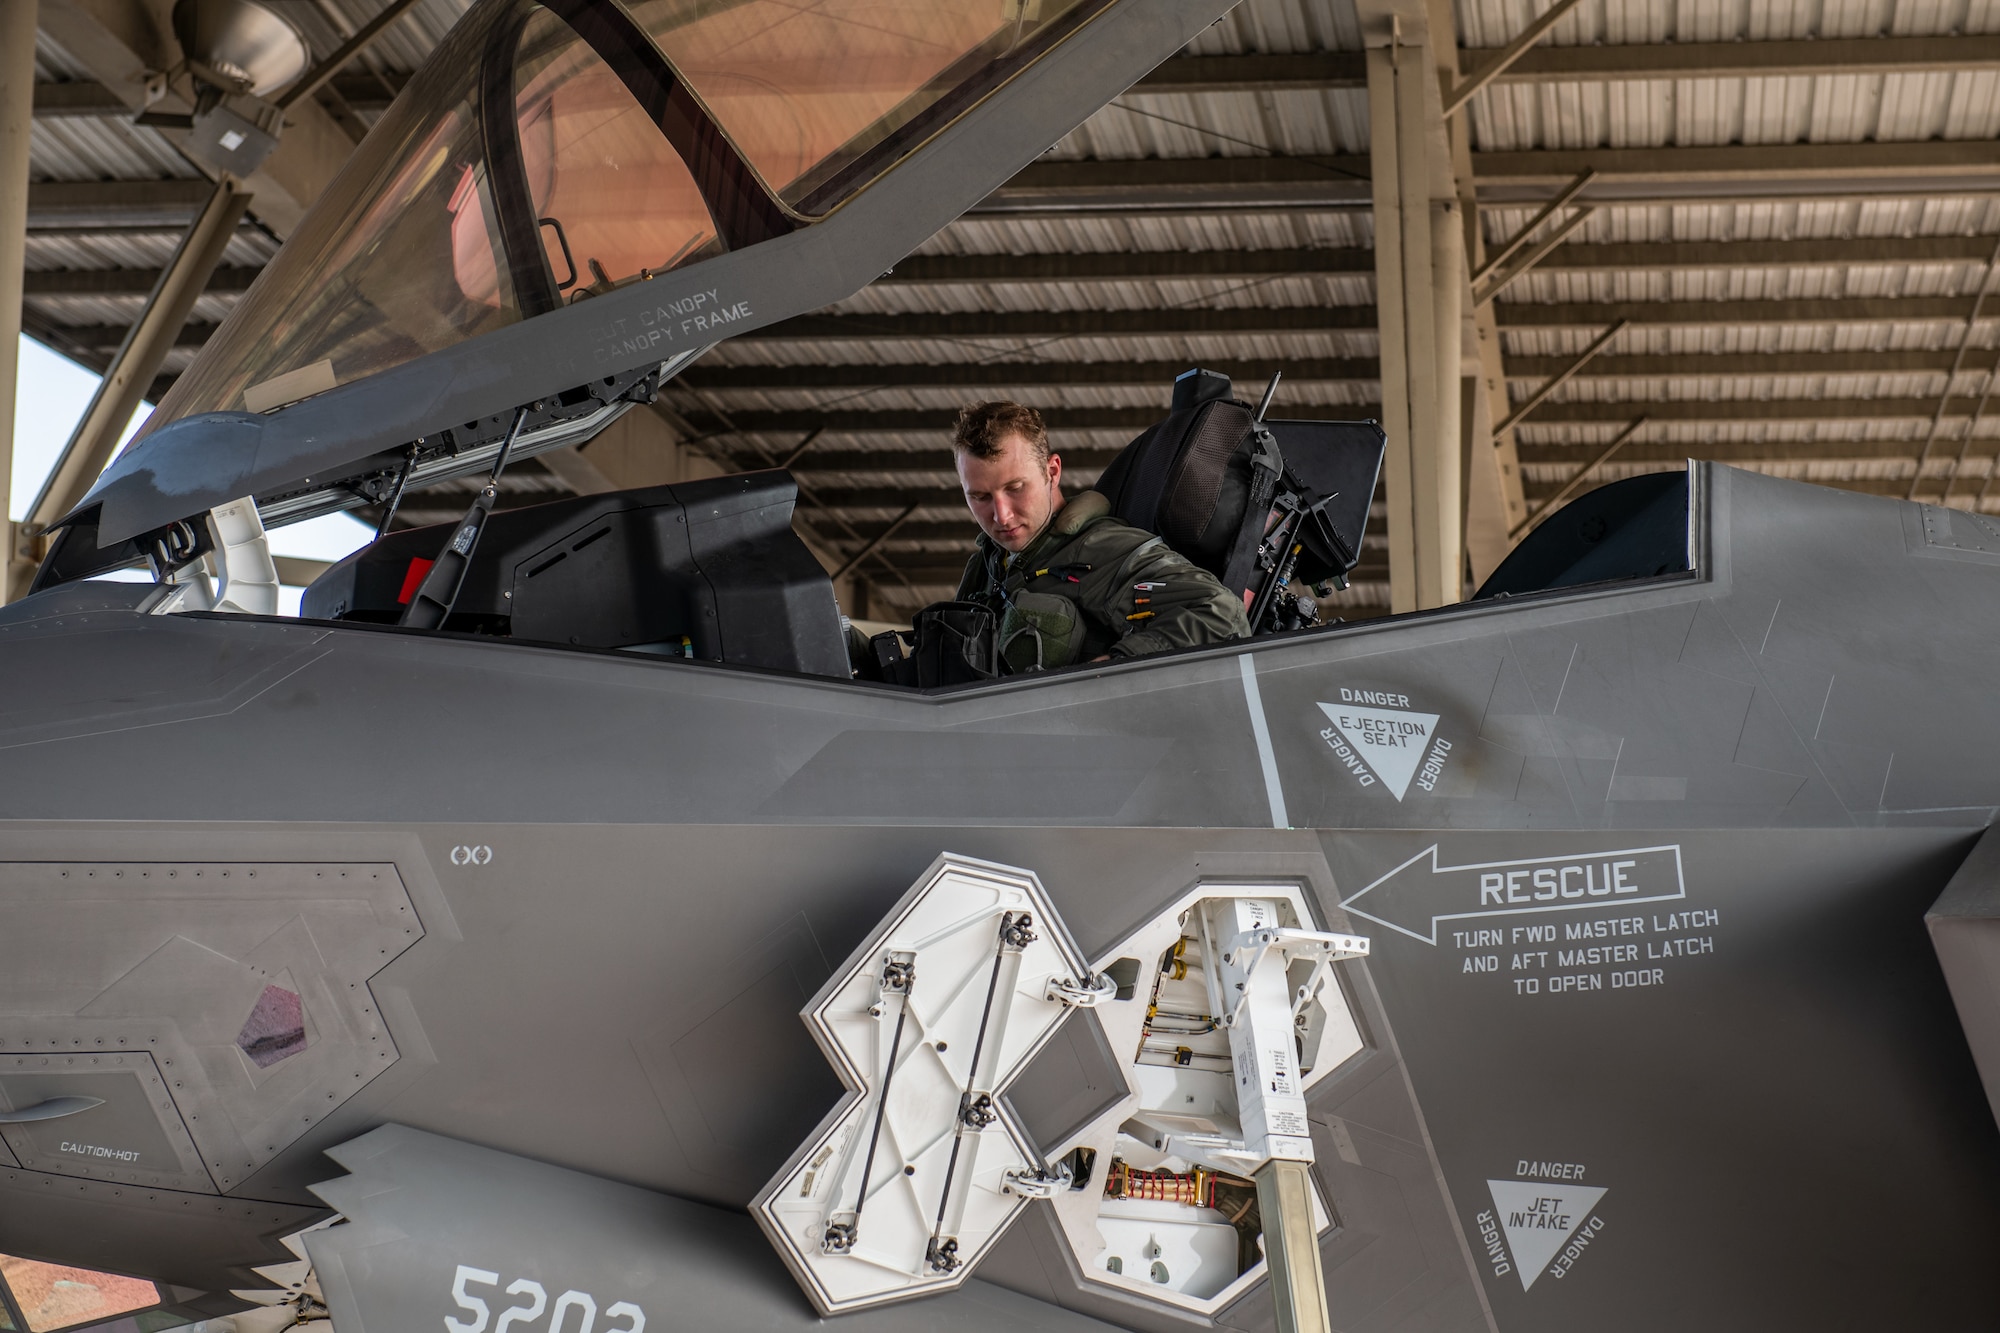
1077	514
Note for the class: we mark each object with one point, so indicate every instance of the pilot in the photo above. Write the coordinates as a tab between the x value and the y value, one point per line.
1066	581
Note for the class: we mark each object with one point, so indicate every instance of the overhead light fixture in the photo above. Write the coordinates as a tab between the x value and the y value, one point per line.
240	45
239	53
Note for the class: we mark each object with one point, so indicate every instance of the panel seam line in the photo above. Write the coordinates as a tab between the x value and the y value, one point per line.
1274	791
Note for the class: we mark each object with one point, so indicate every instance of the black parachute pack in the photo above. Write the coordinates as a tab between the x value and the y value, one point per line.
1265	505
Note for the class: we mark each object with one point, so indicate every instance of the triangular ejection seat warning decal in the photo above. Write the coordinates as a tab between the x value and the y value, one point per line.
1538	1216
1391	741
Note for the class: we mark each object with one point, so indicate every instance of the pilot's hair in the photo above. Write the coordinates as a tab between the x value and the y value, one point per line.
982	426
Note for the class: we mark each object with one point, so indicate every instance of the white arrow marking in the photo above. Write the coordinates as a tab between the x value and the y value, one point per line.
1517	888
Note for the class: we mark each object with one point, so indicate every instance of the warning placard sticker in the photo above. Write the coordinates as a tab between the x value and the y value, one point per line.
1379	737
1542	1226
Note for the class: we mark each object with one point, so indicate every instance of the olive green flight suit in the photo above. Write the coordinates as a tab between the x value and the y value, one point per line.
1091	585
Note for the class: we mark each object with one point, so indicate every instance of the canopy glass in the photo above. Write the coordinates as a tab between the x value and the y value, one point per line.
549	153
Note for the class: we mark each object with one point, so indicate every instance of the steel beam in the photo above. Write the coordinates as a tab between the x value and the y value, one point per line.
1541	392
1738	60
1746	365
102	338
936	422
1491	67
1958	360
118	395
1887	487
976	325
1041	324
1128	266
1546	458
1865	310
874	543
1491	263
1972	158
1626	176
63	101
1582	474
1301	72
1761	163
1524	264
1599	64
1915	410
1830	252
711	375
310	82
127	281
1158	375
17	84
1124	266
115	204
84	98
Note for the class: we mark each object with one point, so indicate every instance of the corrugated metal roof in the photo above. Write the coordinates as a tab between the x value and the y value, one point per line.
1282	26
83	149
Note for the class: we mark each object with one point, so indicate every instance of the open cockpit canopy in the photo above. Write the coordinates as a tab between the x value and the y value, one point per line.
553	152
561	207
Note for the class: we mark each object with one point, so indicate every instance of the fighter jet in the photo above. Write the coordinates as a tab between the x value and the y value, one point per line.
563	926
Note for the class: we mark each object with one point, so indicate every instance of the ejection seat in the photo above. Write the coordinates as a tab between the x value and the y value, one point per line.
1267	506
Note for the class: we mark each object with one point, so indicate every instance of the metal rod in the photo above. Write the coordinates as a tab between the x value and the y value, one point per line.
1570	487
881	1109
875	544
396	496
1520	238
812	438
1944	398
1462	92
1992	463
1986	486
1971	425
17	113
1527	262
310	82
1270	392
971	1081
507	445
1560	378
139	358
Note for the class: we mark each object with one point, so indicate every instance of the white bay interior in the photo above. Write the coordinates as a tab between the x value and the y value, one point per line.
1162	1212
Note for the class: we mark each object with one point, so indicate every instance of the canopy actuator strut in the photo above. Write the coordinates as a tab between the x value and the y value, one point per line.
431	605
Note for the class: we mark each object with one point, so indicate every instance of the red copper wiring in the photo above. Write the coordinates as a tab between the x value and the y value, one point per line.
1194	1188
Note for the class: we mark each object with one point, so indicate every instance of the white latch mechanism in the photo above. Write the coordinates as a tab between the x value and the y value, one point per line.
1085	994
236	573
1041	1182
1250	947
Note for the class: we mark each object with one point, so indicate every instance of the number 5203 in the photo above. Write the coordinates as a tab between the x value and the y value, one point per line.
534	1307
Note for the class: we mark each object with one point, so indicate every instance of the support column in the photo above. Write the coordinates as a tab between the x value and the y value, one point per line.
1492	495
132	370
1444	503
1419	277
17	112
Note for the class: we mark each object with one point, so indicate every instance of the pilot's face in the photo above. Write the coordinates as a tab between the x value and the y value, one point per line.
1013	494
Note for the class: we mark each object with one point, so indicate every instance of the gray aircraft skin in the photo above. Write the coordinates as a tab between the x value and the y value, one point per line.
1647	915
